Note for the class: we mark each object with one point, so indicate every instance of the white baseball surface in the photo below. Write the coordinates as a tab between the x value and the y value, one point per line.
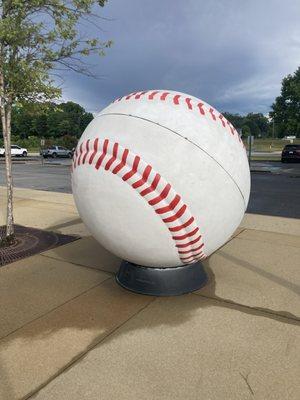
161	178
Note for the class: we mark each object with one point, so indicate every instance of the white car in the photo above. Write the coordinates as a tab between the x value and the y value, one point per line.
15	151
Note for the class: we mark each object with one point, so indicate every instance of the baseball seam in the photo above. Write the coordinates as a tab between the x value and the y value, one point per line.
192	105
150	185
185	138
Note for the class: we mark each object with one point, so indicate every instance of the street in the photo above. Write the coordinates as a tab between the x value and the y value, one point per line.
275	187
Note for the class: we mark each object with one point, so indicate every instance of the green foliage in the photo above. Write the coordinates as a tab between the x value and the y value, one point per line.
33	143
68	141
246	131
251	124
38	36
61	123
286	108
235	119
49	120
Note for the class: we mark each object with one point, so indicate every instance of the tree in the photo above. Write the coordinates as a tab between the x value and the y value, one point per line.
237	120
286	108
257	124
246	131
37	36
252	125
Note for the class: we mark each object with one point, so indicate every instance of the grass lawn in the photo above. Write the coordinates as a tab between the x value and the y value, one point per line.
269	157
270	145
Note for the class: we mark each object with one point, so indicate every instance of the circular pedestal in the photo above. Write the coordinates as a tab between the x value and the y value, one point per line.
161	281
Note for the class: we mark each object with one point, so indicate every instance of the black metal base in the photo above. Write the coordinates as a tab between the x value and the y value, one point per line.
161	281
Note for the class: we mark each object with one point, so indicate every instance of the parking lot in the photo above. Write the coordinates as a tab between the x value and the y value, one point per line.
275	188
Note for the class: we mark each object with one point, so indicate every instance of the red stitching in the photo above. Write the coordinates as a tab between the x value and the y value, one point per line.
211	111
145	176
176	99
200	106
113	158
133	169
104	151
190	106
122	163
170	207
152	187
87	150
182	237
151	95
222	120
193	256
138	96
189	243
164	95
162	196
177	215
80	154
185	225
95	150
190	251
130	95
115	151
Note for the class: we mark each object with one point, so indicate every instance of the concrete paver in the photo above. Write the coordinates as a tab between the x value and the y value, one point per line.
42	195
35	285
47	205
270	237
43	348
87	252
42	218
45	210
290	226
256	272
71	227
188	348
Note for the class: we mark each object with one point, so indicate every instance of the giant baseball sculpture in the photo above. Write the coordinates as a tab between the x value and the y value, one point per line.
161	179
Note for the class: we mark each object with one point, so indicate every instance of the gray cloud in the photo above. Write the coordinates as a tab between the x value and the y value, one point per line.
232	54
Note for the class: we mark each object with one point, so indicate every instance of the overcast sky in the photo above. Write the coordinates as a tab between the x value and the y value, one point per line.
231	53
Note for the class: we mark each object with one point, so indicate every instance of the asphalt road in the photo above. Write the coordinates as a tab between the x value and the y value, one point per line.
275	187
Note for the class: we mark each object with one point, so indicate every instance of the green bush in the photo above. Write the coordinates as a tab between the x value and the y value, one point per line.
33	143
66	141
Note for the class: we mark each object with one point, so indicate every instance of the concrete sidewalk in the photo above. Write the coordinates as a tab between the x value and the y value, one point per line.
69	332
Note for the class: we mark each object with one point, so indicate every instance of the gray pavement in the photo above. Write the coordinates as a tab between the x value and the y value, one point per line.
276	194
52	176
275	186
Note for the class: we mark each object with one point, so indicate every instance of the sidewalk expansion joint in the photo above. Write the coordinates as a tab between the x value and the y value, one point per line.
234	236
265	241
81	355
259	311
78	265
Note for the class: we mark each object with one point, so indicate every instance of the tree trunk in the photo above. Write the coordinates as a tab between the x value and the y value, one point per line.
9	177
5	109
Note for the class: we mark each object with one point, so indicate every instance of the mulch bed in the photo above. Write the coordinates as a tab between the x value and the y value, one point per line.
30	241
